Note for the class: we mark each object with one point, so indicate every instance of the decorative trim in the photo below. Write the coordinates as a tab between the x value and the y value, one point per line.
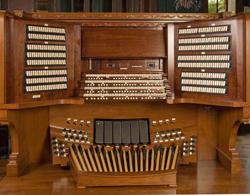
164	17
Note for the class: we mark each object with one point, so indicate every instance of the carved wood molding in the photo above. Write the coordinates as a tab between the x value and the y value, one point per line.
118	17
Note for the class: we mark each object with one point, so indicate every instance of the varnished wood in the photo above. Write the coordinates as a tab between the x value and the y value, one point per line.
131	169
84	167
125	161
157	160
27	150
86	160
74	158
123	43
163	159
113	161
3	117
122	16
169	158
236	90
175	157
208	178
102	160
147	160
92	160
141	161
97	160
152	161
119	161
136	161
3	58
108	161
28	119
247	41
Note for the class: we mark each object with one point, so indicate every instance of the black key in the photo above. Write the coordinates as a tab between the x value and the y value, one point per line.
108	132
117	132
144	131
135	132
126	132
99	131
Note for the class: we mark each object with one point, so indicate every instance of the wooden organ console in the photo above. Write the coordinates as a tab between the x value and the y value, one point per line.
124	99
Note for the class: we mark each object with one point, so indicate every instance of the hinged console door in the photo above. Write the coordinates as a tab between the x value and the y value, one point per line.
209	60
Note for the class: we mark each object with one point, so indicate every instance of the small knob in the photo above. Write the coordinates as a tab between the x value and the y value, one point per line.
155	140
75	121
167	121
81	122
160	122
173	132
154	123
68	120
88	123
173	120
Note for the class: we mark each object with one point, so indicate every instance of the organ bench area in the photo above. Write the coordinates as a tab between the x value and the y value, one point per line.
123	99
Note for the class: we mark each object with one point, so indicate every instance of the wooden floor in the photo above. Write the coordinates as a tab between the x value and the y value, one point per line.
208	177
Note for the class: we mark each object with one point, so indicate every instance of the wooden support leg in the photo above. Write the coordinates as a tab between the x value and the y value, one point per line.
226	139
29	139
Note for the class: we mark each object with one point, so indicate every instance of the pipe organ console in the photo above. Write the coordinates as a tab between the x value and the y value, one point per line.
123	101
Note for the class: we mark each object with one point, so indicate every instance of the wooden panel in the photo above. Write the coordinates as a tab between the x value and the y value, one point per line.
29	139
171	57
167	179
247	46
2	57
235	74
228	125
123	42
3	116
207	139
17	65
